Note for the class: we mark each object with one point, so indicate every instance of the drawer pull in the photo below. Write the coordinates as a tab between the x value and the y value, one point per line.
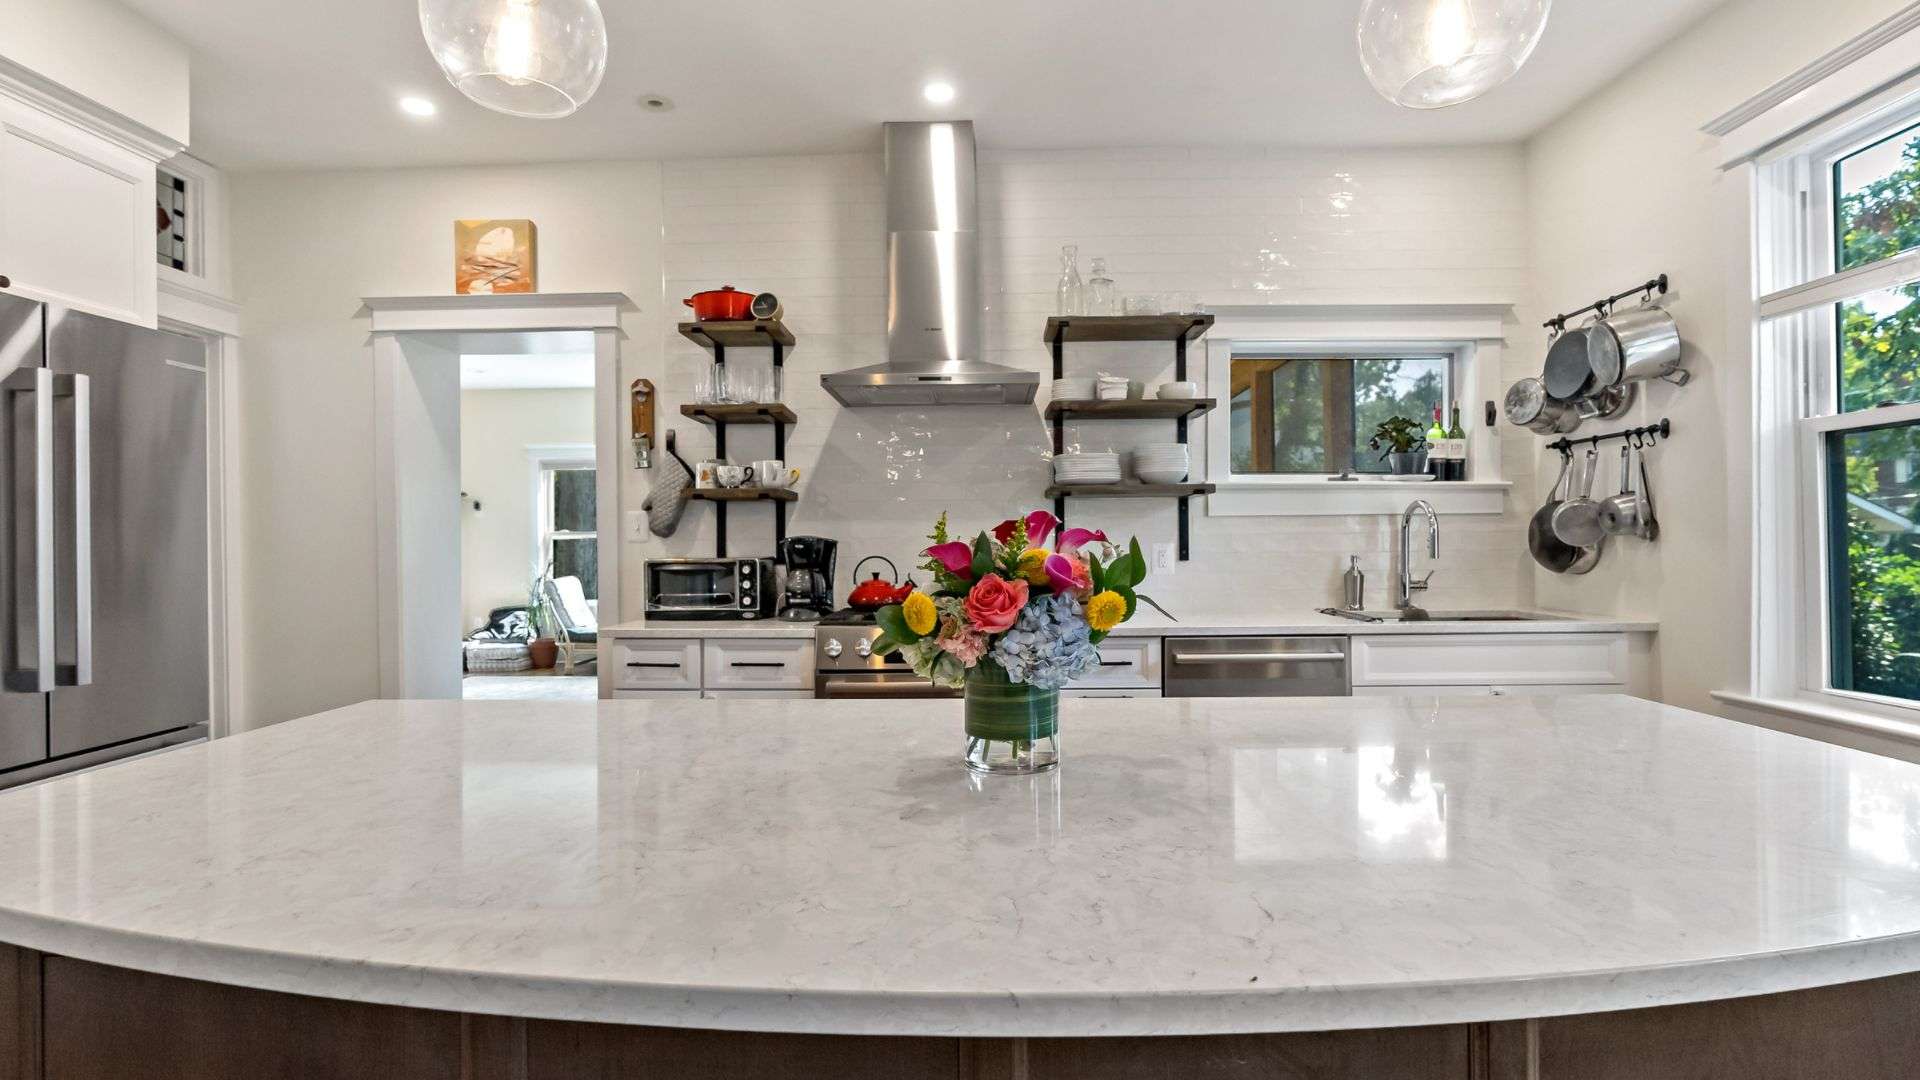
1254	658
1116	663
757	663
654	664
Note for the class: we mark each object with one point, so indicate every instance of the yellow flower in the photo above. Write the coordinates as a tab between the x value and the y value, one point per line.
1105	611
1033	565
920	613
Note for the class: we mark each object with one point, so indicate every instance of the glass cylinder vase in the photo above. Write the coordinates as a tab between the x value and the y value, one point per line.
1011	727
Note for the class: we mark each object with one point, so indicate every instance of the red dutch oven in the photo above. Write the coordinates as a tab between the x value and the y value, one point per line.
724	304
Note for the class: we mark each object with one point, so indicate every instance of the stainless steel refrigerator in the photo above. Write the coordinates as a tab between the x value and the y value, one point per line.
103	577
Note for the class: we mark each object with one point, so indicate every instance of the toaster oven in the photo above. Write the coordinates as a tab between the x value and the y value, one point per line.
710	588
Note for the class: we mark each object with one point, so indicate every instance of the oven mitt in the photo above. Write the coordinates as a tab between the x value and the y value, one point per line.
672	487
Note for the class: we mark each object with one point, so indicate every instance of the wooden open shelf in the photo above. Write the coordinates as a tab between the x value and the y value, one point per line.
744	334
1131	409
1128	491
1126	327
744	494
768	413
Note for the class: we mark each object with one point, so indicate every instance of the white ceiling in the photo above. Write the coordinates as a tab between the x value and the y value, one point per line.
294	83
518	371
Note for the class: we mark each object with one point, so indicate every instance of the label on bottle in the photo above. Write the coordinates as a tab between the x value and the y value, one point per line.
1453	451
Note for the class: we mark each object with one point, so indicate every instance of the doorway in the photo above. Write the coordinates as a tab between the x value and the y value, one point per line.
426	615
529	535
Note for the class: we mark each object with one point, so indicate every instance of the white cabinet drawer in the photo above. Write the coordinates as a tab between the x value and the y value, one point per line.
759	664
1488	660
656	664
1126	663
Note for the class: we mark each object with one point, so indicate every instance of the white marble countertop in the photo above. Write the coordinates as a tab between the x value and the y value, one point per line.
1192	624
1212	865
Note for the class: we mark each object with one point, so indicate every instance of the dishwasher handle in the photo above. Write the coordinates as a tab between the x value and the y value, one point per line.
1255	657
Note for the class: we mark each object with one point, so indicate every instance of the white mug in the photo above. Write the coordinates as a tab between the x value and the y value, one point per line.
703	475
733	476
770	473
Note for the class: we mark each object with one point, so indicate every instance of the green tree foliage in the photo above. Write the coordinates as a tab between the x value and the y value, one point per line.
1880	362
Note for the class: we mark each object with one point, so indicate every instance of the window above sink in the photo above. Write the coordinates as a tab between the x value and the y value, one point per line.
1308	383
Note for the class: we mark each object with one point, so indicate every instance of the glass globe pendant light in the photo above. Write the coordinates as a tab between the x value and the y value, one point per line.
1428	54
537	58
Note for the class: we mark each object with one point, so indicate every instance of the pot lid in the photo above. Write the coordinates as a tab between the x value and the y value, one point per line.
1568	374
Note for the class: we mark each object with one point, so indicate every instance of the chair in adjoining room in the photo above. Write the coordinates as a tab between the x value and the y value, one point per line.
576	628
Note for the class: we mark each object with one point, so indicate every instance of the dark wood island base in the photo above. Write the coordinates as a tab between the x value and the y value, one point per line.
66	1019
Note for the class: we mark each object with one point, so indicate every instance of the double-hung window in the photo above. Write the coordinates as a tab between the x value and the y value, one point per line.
1839	255
569	546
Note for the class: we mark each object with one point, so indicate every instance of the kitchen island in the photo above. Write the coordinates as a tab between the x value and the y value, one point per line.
1223	887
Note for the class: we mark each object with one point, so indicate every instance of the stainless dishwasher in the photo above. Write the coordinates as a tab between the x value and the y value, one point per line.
1257	667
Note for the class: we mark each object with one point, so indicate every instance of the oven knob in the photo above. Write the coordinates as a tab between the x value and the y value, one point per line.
863	647
833	647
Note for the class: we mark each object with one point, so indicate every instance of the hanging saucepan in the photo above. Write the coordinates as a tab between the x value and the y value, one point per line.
1568	376
1531	407
1642	343
1547	549
1607	403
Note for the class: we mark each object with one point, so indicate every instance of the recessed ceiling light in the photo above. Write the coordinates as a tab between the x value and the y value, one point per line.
418	106
938	92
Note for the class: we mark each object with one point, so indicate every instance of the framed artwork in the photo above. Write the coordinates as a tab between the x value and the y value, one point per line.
493	256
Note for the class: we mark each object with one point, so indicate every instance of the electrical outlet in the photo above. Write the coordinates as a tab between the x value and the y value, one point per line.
637	525
1163	559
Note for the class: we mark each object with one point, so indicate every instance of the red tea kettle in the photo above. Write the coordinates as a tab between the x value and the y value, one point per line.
873	593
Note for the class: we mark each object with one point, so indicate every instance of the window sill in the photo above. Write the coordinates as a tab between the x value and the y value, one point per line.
1831	716
1319	497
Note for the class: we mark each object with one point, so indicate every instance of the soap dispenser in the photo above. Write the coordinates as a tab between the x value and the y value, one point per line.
1355	581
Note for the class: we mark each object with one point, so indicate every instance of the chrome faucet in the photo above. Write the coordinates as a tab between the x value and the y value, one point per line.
1408	584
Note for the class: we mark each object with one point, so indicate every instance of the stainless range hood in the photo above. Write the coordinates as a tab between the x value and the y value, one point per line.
933	282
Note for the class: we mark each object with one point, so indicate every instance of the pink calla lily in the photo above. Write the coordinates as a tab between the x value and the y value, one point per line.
1040	525
1072	540
1067	574
956	556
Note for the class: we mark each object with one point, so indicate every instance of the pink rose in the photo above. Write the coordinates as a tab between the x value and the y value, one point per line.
994	603
1067	574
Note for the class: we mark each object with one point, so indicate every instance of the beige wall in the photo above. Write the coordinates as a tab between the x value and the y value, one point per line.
497	542
103	51
1626	186
307	247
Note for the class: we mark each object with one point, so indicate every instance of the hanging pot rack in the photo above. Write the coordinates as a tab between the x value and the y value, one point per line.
1646	291
1641	436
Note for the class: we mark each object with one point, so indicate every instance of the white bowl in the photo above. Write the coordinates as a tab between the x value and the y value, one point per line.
1161	476
1074	389
1179	390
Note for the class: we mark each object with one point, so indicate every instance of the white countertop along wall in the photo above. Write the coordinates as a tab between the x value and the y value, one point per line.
1214	624
1194	867
1239	227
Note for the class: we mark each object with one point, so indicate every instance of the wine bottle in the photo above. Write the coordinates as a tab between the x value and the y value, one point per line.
1457	447
1436	455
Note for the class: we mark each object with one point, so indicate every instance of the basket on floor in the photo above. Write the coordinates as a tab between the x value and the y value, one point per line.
497	657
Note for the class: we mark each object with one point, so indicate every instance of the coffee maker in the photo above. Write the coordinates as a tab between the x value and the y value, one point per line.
809	589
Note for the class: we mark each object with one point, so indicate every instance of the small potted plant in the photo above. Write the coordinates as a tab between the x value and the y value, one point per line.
1403	446
542	650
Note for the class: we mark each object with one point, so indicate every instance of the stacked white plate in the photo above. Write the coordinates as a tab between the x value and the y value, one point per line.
1161	463
1073	389
1086	469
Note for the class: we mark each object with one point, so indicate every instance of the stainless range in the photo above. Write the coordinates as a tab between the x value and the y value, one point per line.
845	667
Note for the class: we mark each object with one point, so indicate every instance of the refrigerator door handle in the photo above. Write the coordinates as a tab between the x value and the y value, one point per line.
77	670
29	663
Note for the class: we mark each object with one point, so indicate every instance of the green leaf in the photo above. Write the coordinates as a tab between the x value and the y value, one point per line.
1138	572
894	622
1132	601
883	645
1097	572
1149	601
1096	636
982	555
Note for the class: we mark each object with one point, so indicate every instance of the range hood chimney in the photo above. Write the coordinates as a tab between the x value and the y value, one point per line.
933	282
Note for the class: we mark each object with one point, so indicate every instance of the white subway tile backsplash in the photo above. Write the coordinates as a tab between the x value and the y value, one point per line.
1236	226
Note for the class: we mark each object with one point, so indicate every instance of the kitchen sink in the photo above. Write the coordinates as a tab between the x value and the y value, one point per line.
1445	616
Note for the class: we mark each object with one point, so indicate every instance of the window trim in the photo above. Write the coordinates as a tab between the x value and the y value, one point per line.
543	460
1473	334
1797	406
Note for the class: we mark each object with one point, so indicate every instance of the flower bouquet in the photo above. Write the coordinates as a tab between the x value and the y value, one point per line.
1012	621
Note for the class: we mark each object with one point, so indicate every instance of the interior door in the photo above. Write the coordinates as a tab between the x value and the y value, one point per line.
23	705
130	536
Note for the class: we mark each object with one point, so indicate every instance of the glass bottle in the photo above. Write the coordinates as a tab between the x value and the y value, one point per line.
1071	296
1436	456
1457	456
1100	290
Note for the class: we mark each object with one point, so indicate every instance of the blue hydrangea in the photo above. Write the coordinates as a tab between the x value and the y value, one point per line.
1050	646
